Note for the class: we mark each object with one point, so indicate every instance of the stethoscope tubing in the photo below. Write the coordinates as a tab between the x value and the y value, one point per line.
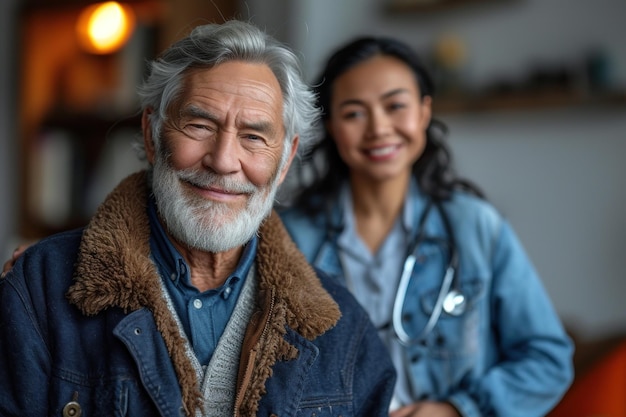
398	303
449	285
444	290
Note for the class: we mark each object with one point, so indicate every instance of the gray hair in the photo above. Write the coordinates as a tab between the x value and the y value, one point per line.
212	44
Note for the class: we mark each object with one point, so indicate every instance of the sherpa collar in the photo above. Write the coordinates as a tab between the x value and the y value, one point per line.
114	269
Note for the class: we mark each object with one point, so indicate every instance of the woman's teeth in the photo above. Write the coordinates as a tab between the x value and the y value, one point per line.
384	151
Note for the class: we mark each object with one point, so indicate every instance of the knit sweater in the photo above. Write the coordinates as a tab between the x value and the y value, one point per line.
219	378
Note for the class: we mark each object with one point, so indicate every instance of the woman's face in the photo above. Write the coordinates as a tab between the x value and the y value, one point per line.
378	119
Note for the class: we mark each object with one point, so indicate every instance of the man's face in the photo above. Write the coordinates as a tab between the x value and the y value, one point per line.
219	164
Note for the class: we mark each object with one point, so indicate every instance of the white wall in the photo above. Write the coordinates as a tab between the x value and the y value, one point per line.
558	175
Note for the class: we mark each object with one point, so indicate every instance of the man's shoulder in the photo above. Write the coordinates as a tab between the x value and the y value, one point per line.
41	276
51	254
67	241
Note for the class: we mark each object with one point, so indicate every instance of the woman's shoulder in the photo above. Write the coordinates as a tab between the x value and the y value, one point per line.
307	229
468	209
298	217
470	201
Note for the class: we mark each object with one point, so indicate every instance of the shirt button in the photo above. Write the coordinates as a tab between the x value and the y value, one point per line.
197	303
227	291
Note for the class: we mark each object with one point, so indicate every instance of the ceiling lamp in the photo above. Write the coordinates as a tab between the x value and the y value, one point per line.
103	28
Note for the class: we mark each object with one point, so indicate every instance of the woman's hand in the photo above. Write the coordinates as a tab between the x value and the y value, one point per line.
16	254
426	409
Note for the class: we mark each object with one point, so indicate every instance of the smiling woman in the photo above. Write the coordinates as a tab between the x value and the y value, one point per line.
442	274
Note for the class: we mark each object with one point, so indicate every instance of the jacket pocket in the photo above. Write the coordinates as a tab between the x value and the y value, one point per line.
455	335
94	397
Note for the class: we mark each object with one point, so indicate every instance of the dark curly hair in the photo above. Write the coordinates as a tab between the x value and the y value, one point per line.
323	170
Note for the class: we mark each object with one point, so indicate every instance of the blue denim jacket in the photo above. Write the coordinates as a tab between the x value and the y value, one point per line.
83	325
507	354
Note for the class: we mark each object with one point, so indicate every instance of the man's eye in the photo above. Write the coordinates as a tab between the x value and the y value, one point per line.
252	139
198	131
197	126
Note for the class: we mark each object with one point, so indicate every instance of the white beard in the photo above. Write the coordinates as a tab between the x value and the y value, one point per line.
203	224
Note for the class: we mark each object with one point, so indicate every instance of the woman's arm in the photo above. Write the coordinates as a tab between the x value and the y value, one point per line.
534	368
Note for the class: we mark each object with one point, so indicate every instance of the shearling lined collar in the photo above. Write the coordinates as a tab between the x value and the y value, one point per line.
114	269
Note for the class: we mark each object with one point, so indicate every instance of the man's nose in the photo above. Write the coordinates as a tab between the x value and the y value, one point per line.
223	154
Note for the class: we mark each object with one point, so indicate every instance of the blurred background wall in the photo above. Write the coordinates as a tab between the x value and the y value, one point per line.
532	91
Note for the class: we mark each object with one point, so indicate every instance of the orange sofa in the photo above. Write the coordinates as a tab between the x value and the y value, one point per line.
599	388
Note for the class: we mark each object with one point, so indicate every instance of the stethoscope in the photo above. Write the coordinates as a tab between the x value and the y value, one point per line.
450	298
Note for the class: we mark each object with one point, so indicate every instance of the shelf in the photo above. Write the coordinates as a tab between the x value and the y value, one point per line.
525	101
429	6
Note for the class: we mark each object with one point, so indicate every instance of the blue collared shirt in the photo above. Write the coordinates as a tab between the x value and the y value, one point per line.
203	315
373	278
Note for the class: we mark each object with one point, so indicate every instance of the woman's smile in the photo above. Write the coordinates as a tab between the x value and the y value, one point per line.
382	153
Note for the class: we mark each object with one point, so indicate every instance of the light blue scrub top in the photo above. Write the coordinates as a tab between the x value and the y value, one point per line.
374	278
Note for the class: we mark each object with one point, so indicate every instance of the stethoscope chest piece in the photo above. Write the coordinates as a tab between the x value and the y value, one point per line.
454	303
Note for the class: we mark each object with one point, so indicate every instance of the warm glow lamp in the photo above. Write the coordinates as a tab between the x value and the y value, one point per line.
104	28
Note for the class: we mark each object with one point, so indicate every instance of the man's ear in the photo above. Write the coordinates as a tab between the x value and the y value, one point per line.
294	150
146	130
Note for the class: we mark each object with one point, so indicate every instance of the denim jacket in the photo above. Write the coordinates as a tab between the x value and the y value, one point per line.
84	327
507	354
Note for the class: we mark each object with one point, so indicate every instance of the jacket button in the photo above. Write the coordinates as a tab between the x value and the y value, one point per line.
72	409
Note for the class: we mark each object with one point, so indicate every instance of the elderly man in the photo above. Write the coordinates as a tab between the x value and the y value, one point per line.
184	295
